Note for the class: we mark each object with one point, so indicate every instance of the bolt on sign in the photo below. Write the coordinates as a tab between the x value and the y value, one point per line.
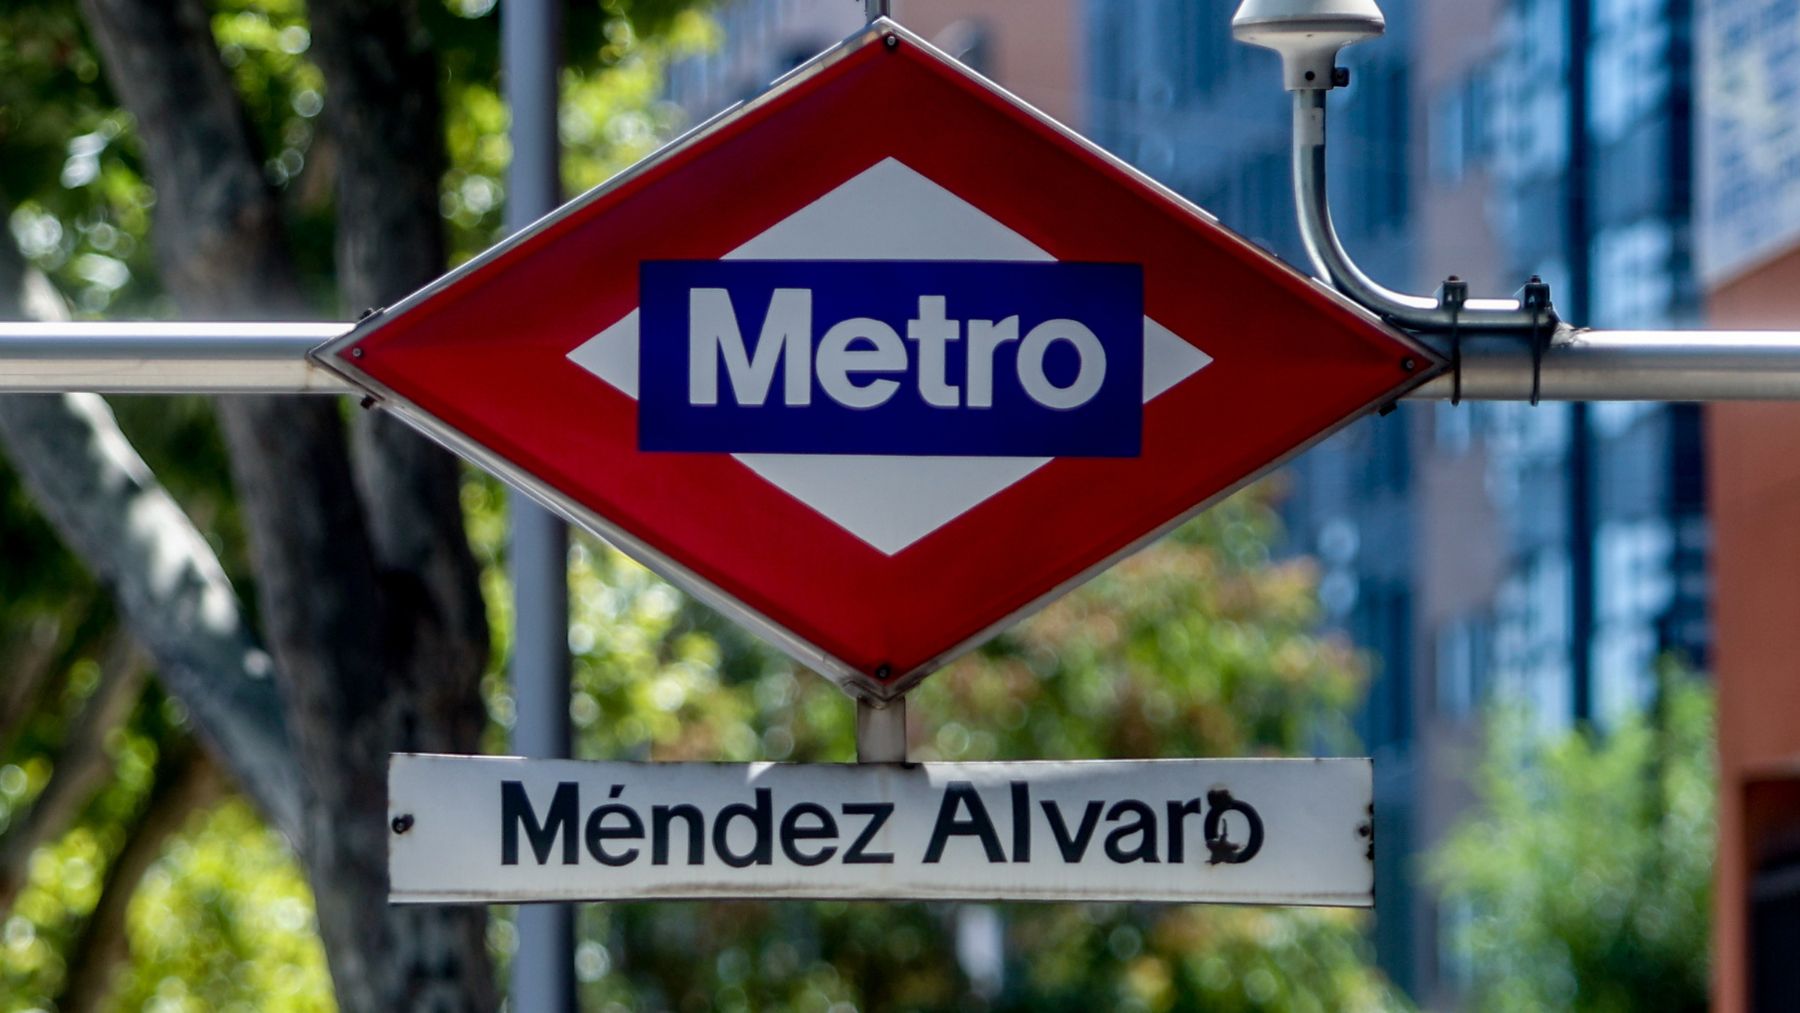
879	361
505	829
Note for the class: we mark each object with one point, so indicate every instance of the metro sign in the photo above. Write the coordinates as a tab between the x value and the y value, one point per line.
879	361
1062	328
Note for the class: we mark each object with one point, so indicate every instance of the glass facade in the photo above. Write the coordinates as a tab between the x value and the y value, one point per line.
1748	141
1550	554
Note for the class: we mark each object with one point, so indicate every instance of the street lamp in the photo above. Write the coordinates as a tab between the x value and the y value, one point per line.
1307	34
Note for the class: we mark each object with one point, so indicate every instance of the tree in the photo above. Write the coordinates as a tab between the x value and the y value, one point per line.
1585	875
369	633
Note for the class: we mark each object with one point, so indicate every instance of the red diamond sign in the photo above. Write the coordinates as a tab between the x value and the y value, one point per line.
879	361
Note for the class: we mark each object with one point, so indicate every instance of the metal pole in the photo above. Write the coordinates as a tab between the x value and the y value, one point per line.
880	727
881	731
237	358
1582	365
1577	304
543	965
165	358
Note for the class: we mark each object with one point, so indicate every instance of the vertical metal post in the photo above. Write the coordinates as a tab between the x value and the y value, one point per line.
877	8
543	965
1577	302
881	731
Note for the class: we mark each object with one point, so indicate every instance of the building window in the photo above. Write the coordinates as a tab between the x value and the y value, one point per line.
1610	420
1201	37
1531	639
1530	101
1463	653
1110	64
1453	427
1634	589
1459	127
1629	72
1383	625
1372	188
1634	267
1389	461
1449	137
1337	544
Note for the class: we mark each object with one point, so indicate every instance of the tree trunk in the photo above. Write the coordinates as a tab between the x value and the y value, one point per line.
370	603
172	592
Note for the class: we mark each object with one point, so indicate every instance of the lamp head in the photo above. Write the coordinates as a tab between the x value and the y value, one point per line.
1307	34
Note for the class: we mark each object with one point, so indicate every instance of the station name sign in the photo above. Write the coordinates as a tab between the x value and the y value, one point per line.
503	829
922	358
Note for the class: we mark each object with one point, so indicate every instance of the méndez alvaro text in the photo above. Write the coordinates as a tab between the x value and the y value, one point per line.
945	358
967	825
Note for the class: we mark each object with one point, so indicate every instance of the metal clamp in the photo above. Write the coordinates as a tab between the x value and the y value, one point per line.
1535	297
1453	295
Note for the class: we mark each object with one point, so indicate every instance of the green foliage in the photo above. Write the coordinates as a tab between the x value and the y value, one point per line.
1198	646
264	44
1586	875
70	176
611	116
224	921
63	882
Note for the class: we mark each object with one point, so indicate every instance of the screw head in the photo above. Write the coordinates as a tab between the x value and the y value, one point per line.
891	40
356	353
1409	364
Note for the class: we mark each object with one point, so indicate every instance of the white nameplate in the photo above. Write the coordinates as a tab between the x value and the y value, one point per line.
504	829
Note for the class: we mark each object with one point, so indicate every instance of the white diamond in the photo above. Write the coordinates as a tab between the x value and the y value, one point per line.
888	212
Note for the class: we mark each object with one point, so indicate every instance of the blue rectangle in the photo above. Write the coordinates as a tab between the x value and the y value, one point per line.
928	358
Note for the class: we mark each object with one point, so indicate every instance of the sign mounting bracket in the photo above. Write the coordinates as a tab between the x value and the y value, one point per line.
881	730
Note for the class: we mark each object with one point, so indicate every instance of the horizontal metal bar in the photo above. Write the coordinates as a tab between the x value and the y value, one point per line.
1589	365
270	358
166	358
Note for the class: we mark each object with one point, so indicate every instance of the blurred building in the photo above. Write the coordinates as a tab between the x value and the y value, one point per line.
761	40
1172	92
1028	47
1748	210
1549	554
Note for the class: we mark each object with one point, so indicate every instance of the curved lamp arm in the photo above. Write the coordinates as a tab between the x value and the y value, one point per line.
1448	311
